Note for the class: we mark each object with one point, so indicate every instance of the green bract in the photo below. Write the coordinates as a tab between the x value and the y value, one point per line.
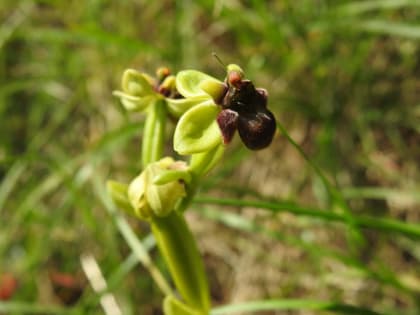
197	130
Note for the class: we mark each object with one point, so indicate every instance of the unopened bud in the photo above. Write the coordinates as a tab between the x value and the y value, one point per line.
149	198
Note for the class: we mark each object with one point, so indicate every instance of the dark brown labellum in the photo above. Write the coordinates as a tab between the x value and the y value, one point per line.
257	129
255	123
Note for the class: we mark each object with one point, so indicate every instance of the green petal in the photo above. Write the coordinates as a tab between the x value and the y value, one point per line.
177	107
188	82
197	130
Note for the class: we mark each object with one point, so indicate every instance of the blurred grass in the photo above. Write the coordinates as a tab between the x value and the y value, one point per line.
343	78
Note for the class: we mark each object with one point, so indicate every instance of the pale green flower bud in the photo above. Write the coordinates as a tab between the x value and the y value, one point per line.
149	196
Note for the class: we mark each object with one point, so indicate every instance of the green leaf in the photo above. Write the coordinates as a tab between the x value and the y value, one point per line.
188	82
383	224
197	130
405	30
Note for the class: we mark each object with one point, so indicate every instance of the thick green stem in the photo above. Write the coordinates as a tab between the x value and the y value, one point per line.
179	249
154	133
174	239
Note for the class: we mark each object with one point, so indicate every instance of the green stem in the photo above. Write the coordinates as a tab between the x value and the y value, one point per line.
173	237
154	133
200	165
179	249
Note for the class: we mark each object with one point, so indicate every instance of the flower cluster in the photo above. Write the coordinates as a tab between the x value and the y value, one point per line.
209	112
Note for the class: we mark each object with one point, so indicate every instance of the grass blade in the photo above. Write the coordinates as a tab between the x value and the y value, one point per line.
27	308
389	28
383	224
292	304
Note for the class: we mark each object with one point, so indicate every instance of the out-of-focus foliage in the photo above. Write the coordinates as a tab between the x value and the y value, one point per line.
343	78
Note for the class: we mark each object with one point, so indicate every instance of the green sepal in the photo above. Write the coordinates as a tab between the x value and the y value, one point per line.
173	306
178	106
135	103
136	193
188	82
162	198
172	175
197	130
136	83
118	193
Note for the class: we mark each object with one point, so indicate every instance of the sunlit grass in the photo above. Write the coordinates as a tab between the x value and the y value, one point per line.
342	78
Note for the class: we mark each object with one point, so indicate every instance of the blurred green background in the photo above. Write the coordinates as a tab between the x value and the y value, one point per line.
343	79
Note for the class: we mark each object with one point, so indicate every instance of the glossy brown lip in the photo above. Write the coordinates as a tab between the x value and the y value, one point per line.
245	110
